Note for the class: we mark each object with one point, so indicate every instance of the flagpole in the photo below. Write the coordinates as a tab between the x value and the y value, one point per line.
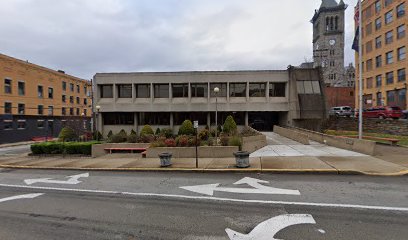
360	59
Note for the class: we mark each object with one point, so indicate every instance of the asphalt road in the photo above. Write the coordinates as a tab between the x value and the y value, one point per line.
149	205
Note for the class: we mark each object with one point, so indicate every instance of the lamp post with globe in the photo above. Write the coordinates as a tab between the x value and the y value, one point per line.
216	91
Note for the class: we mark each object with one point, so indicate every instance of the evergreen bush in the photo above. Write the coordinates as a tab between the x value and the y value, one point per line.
110	134
186	128
230	127
146	130
67	134
235	141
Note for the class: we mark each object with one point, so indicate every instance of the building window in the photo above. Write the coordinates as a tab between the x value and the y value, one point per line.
390	77
388	17
8	108
161	90
85	101
378	81
161	118
199	90
40	91
21	88
40	109
400	10
78	88
142	90
369	65
401	31
308	87
85	112
378	61
50	110
378	6
389	58
401	53
7	86
64	98
378	42
71	87
71	111
180	90
63	111
50	93
21	108
121	118
369	29
77	111
390	97
237	89
85	89
277	89
221	86
378	24
8	124
257	89
387	2
78	101
401	75
71	99
369	83
21	124
106	91
125	91
388	37
64	86
40	124
379	99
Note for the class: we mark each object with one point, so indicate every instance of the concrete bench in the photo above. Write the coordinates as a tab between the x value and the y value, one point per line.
131	150
393	141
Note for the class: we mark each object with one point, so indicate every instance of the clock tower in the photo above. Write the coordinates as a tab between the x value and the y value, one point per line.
328	40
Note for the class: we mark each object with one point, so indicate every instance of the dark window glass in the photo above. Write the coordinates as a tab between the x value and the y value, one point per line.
142	90
8	108
160	118
378	42
401	53
85	101
50	110
402	96
387	2
378	6
179	117
85	112
369	64
389	57
21	124
40	91
388	17
8	124
78	88
50	93
257	89
378	81
21	108
378	61
77	111
388	37
401	10
71	87
64	98
64	86
401	31
63	111
401	75
106	91
390	97
7	86
118	118
199	90
21	88
78	100
40	109
40	124
71	111
180	90
237	89
390	77
378	24
277	89
379	99
221	86
161	90
71	99
85	89
124	91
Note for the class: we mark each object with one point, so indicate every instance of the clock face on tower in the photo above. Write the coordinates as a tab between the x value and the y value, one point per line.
332	42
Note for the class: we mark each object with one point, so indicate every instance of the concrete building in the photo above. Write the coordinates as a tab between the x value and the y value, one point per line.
384	42
36	101
328	40
292	97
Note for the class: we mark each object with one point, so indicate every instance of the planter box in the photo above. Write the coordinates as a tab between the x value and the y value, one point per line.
253	143
190	152
98	149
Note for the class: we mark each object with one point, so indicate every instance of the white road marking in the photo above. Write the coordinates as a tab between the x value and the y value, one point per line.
71	181
268	229
208	189
321	231
333	205
24	196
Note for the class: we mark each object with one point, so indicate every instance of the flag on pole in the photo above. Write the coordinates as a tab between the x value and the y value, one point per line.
357	23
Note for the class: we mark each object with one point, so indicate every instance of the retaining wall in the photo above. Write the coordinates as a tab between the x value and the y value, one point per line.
292	134
190	152
98	149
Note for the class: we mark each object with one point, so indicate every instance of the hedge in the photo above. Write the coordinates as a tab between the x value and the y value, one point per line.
84	148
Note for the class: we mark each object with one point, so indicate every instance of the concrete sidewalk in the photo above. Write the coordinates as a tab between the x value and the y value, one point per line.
367	165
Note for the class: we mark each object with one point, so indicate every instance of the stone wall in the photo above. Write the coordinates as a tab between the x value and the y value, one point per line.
396	127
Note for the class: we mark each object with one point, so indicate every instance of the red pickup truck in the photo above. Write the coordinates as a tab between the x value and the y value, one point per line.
383	112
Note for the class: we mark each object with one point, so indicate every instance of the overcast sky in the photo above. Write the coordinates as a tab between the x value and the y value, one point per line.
83	37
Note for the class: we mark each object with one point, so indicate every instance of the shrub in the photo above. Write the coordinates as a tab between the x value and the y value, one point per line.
182	141
132	138
230	127
170	142
204	134
186	128
157	133
133	132
247	131
97	135
36	149
146	130
157	143
118	138
235	141
67	134
147	138
167	132
224	140
110	134
84	148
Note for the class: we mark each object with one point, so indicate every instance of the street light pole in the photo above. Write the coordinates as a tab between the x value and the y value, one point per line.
216	91
98	108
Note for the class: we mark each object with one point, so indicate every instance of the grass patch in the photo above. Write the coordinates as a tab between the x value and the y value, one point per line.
403	139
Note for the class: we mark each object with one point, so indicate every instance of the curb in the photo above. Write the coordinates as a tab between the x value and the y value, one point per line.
201	170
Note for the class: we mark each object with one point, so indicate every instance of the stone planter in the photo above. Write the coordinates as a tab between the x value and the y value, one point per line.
242	159
165	159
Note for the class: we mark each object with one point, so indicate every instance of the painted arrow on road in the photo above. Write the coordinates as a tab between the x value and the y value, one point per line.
24	196
269	228
71	181
258	188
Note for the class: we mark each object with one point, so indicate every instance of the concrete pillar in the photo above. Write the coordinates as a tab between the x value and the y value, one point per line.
100	124
246	119
136	122
171	121
209	119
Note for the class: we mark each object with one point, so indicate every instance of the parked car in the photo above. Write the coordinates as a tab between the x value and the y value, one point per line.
405	114
343	111
383	112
